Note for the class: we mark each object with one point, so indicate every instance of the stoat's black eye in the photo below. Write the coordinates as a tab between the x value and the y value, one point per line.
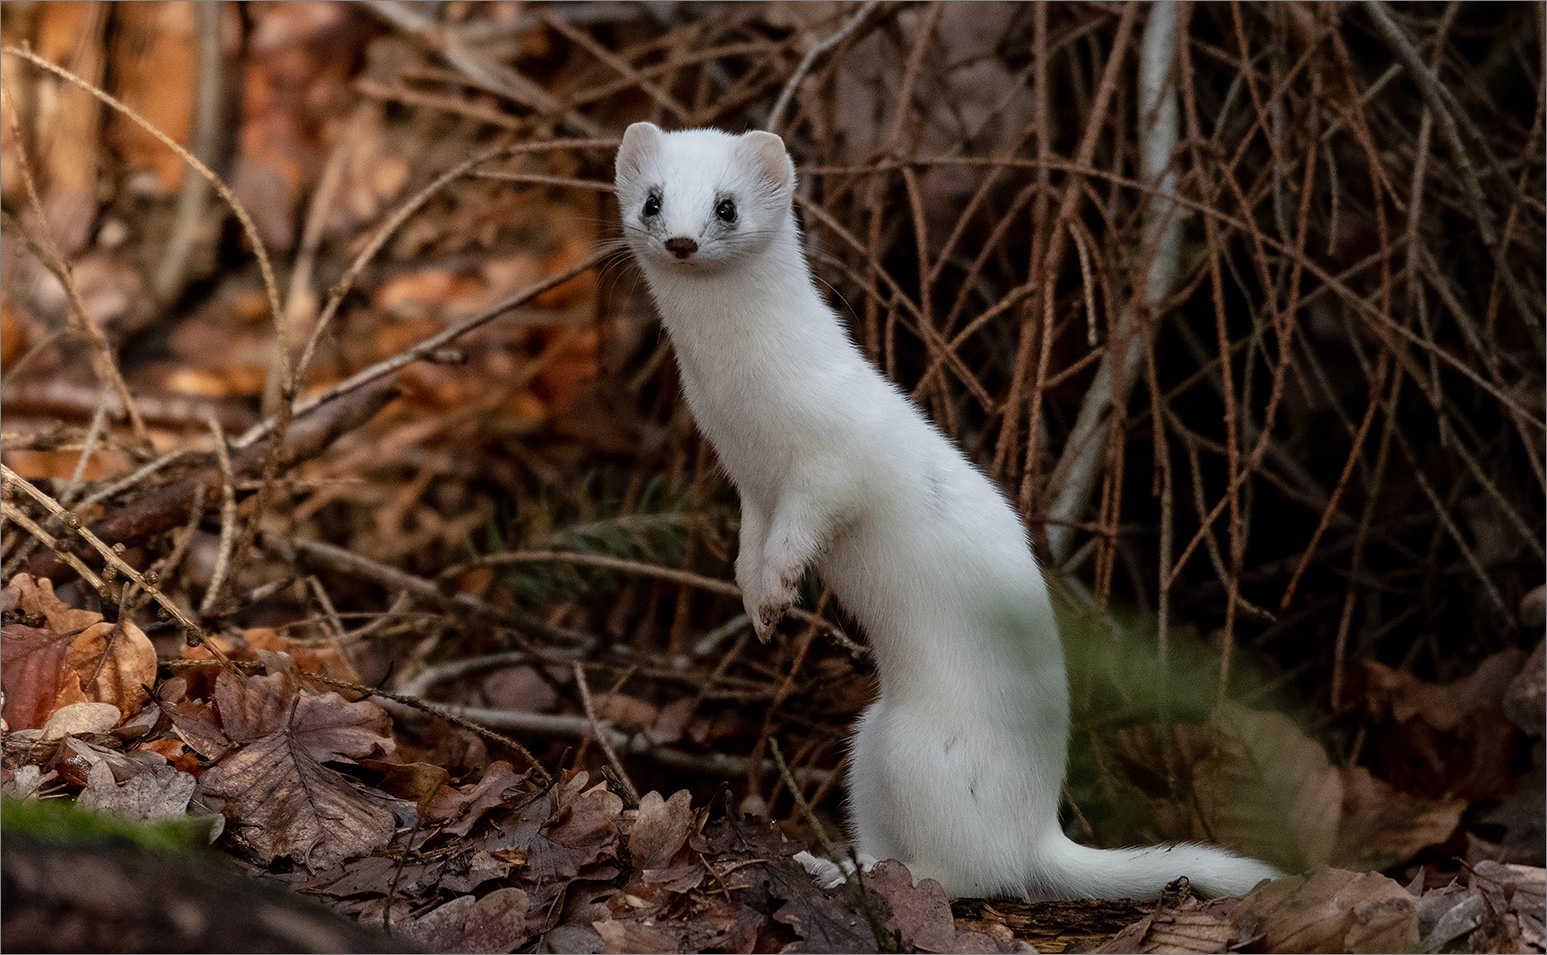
652	205
726	210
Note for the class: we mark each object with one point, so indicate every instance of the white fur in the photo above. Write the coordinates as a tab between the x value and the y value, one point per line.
956	769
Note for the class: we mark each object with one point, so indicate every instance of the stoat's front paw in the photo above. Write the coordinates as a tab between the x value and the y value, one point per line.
765	617
768	601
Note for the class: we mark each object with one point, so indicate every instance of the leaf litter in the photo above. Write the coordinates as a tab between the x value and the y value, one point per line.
460	851
312	791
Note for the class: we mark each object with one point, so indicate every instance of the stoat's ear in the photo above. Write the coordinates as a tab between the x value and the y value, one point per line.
764	154
639	140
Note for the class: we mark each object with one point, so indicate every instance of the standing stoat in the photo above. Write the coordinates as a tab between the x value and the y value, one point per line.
956	769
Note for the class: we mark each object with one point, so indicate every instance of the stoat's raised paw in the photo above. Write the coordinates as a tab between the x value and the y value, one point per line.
767	603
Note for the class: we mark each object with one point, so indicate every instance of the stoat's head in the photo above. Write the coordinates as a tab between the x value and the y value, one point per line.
702	199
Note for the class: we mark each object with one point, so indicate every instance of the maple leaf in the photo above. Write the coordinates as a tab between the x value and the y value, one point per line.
276	786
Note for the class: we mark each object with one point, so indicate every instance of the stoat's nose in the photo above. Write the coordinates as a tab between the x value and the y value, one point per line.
681	246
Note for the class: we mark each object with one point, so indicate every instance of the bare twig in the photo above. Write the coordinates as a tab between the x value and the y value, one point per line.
1482	214
227	520
490	74
103	365
723	587
194	632
191	223
815	52
598	735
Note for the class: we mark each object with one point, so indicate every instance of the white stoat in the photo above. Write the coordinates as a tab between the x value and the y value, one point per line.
956	768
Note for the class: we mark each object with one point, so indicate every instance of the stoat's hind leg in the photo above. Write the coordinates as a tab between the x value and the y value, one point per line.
829	874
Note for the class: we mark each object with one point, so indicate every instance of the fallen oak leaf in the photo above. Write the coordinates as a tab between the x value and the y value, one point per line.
35	595
462	807
751	858
289	804
325	724
155	794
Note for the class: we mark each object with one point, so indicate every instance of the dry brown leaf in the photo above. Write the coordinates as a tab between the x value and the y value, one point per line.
37	680
112	663
158	792
636	937
36	595
1451	738
624	711
1330	911
326	659
661	828
1185	926
1264	786
416	782
285	801
563	829
194	721
494	923
1441	706
80	718
326	725
752	856
461	807
1516	896
116	664
1381	827
921	914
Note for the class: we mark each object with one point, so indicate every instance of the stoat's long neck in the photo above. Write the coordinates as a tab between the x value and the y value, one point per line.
757	315
764	361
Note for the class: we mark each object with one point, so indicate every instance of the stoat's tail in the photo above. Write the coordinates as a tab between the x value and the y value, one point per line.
1069	870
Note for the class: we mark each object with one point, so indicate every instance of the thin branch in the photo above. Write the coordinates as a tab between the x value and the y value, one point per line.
818	50
193	631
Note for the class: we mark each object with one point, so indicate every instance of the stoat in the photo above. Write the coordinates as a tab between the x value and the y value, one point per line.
956	768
